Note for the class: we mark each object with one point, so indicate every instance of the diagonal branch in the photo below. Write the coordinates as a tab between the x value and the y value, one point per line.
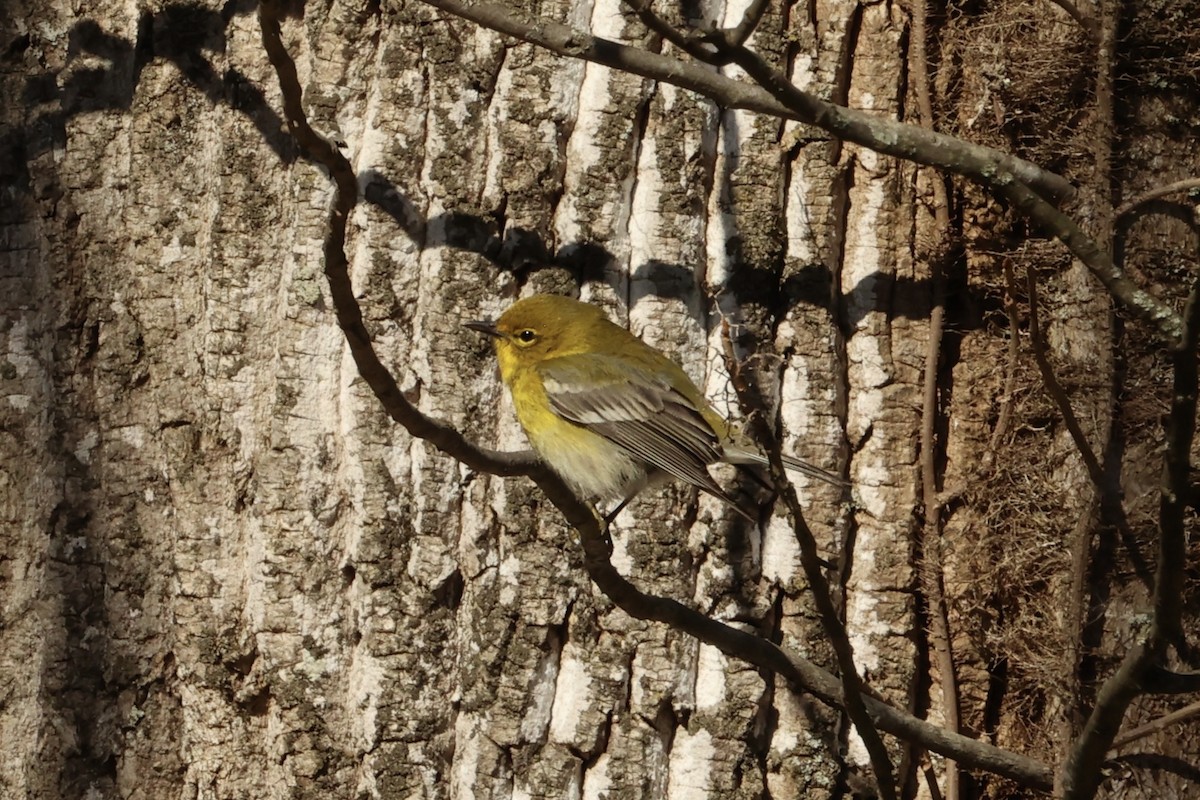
869	130
1085	18
856	127
750	19
776	95
913	143
1081	772
1156	725
766	655
851	684
1157	193
802	673
1056	390
1141	303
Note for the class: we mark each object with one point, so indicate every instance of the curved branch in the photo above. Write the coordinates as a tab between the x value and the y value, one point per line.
1160	680
349	315
862	128
775	95
801	673
1190	184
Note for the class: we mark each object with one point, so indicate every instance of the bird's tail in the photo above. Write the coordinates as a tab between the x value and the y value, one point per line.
735	454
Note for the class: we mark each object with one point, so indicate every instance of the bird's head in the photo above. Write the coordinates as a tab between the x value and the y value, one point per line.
542	327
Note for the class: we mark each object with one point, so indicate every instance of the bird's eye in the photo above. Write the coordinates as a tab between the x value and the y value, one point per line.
526	336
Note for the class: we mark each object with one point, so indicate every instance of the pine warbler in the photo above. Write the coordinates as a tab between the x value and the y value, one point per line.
608	412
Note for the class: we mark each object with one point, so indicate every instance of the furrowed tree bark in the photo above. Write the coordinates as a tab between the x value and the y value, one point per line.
269	526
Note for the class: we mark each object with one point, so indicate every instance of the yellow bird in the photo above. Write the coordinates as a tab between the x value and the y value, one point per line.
608	412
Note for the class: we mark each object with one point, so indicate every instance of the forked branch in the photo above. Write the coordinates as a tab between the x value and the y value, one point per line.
879	133
1023	183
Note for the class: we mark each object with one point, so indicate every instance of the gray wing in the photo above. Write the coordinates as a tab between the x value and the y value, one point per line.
637	411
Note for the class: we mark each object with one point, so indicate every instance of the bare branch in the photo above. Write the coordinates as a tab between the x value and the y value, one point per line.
349	315
776	95
750	19
810	561
1086	21
1080	775
688	44
1176	491
1081	772
1057	393
1154	726
1142	304
861	129
1004	420
1160	680
869	130
932	558
1155	194
802	673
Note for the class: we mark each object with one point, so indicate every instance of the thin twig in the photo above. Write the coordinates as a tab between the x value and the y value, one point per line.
1081	535
750	19
691	46
1154	726
810	561
1086	21
1004	420
932	561
1142	304
1186	185
1057	393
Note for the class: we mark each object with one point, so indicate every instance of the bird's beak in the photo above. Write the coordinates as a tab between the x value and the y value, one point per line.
484	326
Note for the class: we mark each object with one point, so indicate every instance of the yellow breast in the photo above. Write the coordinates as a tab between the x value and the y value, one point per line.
592	465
